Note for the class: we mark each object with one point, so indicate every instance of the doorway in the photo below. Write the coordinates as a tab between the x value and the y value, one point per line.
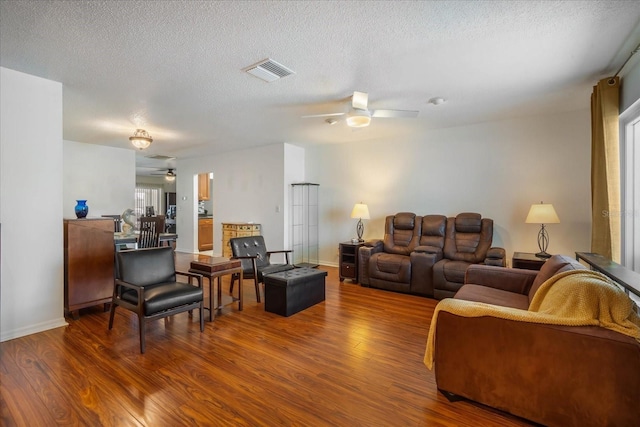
204	211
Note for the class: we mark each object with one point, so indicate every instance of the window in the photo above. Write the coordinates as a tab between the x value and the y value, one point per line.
630	188
148	195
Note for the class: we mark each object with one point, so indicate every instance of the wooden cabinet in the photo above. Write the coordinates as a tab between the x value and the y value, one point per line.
237	229
203	186
205	234
348	259
88	263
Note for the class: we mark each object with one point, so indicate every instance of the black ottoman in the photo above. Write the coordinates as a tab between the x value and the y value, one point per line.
288	292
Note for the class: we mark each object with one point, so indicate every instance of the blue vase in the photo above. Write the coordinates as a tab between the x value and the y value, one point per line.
81	208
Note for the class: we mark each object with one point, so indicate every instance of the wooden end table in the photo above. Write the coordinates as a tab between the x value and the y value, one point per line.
216	267
527	260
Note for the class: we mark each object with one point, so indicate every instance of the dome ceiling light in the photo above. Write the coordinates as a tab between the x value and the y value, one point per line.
141	139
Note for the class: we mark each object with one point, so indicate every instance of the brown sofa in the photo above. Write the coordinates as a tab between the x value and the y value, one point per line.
427	255
553	375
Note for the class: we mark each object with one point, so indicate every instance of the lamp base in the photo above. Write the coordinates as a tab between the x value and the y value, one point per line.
543	254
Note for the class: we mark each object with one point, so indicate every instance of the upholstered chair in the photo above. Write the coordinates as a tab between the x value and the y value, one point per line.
256	260
146	284
468	241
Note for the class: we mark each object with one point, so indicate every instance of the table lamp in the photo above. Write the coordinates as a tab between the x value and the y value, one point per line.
360	211
542	214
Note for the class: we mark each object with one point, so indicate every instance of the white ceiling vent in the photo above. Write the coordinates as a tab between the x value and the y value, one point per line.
160	157
268	70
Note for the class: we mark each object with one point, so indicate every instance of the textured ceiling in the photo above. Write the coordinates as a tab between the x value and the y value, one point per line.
174	68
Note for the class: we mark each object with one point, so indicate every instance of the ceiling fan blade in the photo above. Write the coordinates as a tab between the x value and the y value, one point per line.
323	115
395	113
360	100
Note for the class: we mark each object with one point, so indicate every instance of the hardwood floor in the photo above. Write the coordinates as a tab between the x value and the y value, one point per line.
353	360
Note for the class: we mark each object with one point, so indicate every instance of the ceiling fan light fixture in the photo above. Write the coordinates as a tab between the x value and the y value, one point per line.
358	118
141	139
170	178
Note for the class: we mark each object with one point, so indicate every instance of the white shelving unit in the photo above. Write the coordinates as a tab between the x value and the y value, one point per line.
304	234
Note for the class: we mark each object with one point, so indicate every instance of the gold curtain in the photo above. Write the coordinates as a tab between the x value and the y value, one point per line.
605	169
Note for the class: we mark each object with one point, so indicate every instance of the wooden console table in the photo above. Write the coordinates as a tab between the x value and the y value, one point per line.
627	278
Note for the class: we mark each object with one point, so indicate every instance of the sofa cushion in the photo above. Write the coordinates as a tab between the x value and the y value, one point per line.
401	233
555	264
494	296
454	271
468	222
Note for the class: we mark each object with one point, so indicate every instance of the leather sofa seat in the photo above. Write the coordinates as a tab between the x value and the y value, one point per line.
468	241
391	268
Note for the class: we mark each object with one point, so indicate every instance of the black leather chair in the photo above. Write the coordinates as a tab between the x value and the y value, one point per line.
256	260
146	284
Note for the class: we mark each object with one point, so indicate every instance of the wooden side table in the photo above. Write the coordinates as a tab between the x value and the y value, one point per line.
348	259
527	261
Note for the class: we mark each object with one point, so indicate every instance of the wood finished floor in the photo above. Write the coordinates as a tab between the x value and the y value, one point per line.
353	360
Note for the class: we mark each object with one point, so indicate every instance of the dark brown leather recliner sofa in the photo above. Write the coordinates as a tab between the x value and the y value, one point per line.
415	246
550	374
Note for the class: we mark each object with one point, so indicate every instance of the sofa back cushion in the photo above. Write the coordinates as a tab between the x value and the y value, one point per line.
554	265
468	237
401	233
433	232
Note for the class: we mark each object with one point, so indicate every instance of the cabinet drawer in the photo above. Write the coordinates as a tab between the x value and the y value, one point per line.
348	270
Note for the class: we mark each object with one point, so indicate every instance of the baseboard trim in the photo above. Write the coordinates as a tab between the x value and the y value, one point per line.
32	329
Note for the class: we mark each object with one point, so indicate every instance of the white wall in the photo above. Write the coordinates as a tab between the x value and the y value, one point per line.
31	283
497	169
247	186
103	176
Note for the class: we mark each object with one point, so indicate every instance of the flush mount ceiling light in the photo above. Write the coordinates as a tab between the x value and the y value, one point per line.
358	118
141	139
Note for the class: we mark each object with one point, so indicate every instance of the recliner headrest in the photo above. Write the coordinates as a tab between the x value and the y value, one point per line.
468	222
404	221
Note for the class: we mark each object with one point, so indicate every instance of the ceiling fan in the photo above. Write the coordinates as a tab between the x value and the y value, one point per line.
170	175
359	116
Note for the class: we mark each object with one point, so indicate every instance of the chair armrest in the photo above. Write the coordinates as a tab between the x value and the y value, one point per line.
191	275
286	253
496	256
515	280
428	250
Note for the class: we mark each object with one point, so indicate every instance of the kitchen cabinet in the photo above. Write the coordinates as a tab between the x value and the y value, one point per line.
88	263
203	186
205	234
237	229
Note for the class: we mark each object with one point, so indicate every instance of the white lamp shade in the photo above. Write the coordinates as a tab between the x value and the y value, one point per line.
542	213
360	211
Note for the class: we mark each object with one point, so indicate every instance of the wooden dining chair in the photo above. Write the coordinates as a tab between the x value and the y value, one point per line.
150	229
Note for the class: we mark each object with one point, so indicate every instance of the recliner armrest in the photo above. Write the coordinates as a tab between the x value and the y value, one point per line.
376	244
496	256
515	280
428	249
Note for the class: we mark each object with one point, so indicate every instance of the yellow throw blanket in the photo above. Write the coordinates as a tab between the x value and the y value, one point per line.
571	298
